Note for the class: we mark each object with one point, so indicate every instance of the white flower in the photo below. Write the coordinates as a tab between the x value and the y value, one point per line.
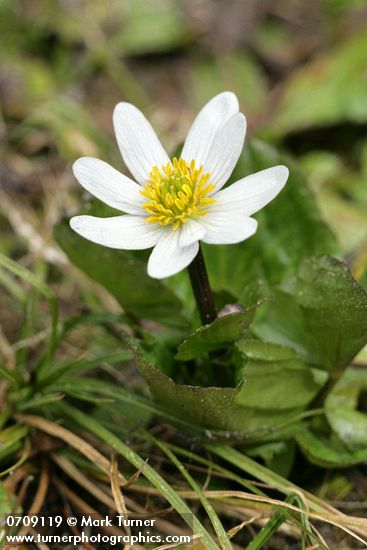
173	205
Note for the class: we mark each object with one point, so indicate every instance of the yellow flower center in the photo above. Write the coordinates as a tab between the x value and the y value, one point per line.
176	193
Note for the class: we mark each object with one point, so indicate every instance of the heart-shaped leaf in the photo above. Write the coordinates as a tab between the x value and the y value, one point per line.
320	311
258	408
222	331
271	371
328	452
207	407
341	409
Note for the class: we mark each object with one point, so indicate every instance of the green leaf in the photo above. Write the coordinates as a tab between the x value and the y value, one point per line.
265	407
328	452
123	275
208	407
320	311
341	409
332	87
222	331
271	370
259	407
290	229
10	439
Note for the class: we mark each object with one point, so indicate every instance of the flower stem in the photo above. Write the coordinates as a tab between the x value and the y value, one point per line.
201	288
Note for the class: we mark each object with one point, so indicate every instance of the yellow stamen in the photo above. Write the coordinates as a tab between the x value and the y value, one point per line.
177	192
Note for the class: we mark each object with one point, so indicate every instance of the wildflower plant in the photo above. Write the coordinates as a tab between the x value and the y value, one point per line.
276	319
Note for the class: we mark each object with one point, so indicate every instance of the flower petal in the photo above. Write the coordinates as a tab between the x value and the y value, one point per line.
138	143
109	185
206	125
126	232
168	257
225	150
250	194
190	232
227	227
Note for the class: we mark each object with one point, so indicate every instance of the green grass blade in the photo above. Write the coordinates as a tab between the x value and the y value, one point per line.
261	473
39	285
267	531
147	471
217	524
281	515
66	369
217	468
38	402
272	526
5	414
24	456
10	439
12	286
11	376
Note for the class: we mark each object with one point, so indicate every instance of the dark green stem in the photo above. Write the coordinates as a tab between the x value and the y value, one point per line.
201	288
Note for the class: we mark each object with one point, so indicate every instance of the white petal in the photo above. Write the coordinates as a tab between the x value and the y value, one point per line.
206	125
190	232
138	143
227	227
109	185
252	193
225	150
126	232
168	257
